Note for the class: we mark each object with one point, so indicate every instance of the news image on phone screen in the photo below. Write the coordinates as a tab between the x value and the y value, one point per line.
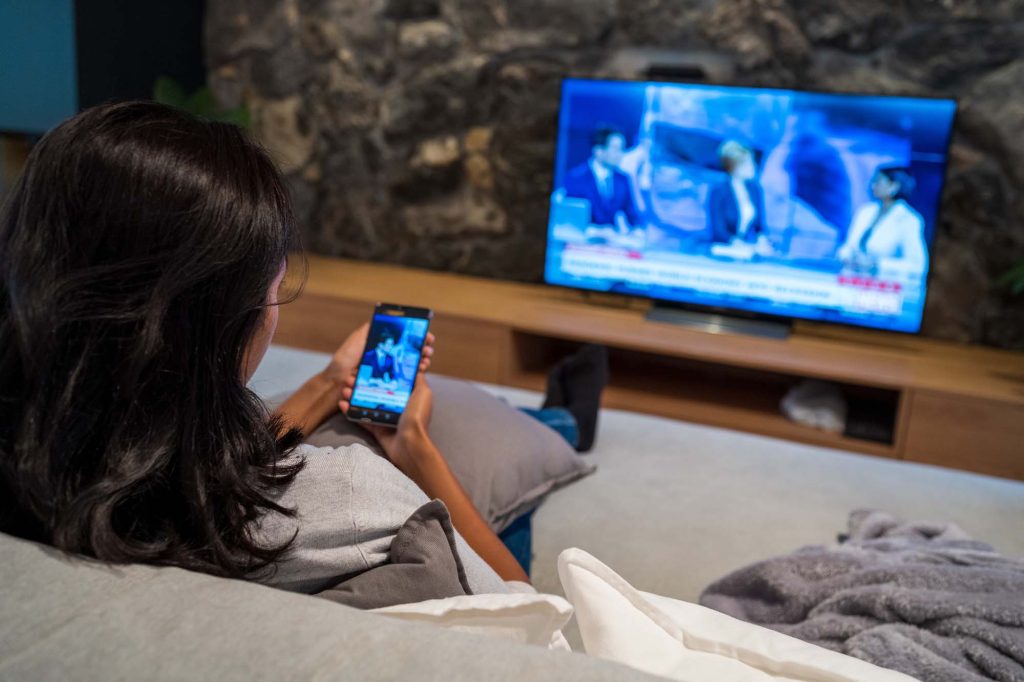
387	371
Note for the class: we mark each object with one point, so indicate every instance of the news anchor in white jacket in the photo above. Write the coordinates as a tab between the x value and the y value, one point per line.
886	237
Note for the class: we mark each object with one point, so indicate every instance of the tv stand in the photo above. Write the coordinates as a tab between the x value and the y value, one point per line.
910	398
714	323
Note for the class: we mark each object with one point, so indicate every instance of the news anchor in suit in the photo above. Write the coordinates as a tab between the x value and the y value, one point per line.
602	184
886	236
736	206
380	360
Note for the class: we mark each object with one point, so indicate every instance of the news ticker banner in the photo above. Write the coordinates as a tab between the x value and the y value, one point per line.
374	396
850	293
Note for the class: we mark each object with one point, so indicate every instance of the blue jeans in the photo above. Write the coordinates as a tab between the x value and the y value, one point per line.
559	419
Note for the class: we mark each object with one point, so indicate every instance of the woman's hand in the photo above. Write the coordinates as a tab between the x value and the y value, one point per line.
319	398
861	263
345	360
401	444
344	363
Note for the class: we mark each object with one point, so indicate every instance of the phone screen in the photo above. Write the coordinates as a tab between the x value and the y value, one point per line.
390	360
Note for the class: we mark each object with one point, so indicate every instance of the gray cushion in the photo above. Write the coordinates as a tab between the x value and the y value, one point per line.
507	461
423	564
69	619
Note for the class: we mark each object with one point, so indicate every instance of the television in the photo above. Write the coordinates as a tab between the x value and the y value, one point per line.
761	202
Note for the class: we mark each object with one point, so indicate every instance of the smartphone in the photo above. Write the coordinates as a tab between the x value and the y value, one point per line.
391	360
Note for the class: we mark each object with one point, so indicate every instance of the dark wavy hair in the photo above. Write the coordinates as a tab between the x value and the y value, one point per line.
136	253
902	177
602	133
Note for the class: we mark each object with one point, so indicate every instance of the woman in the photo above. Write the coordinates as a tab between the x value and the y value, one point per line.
736	206
886	236
141	256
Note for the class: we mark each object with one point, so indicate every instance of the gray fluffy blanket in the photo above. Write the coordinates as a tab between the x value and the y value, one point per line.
924	599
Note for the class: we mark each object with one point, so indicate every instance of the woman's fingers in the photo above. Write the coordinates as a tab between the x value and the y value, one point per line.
379	432
428	353
346	396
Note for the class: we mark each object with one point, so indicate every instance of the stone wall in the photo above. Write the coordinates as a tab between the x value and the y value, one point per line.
421	131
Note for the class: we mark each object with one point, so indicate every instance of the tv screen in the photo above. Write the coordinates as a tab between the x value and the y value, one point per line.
774	202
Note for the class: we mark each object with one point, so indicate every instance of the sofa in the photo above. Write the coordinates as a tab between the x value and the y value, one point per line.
67	618
671	507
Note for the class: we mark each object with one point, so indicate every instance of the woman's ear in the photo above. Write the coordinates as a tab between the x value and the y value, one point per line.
264	336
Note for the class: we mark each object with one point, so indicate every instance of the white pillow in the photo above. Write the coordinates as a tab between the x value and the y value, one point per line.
530	618
685	641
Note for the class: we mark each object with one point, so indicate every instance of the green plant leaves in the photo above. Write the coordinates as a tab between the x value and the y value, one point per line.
239	116
200	103
1013	279
169	91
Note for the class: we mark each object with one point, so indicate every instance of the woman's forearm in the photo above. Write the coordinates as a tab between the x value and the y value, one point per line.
311	405
428	468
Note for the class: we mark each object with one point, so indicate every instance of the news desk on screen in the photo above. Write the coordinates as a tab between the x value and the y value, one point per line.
738	277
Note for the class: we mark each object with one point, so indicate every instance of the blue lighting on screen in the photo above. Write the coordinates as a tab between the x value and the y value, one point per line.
794	204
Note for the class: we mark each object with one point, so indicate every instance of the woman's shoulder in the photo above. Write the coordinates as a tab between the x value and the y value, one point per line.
376	494
907	212
866	211
355	471
349	502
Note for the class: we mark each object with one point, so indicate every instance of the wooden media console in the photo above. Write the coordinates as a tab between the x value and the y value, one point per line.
910	398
